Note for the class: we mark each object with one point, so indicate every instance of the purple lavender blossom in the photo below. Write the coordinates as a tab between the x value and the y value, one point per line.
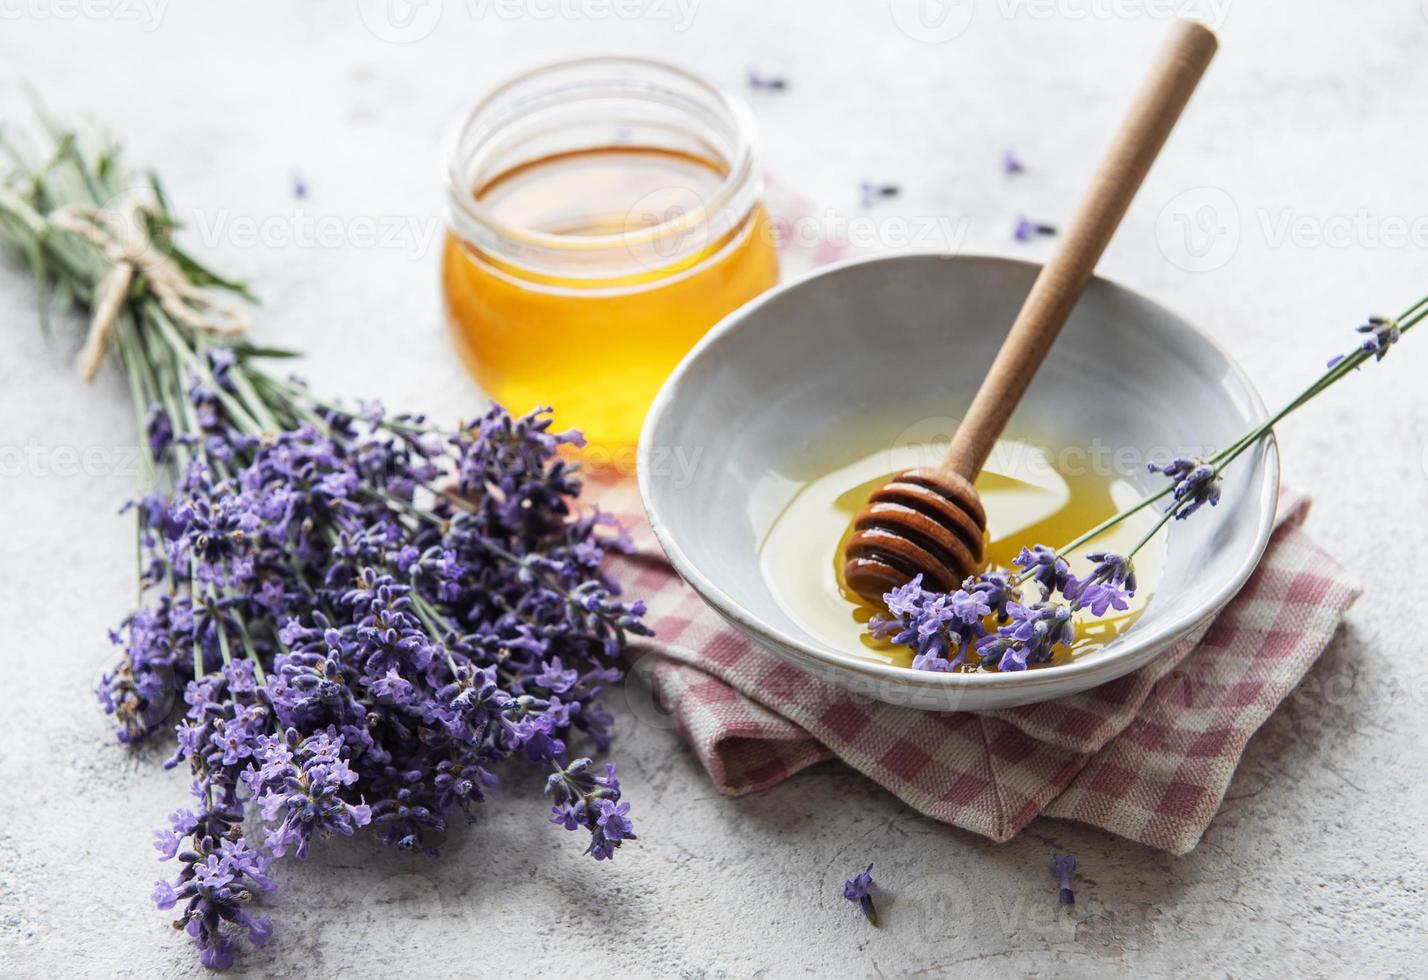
1011	163
1110	584
1045	566
767	83
996	590
1025	229
869	192
859	890
361	621
581	798
1063	867
1032	636
1196	483
1382	333
940	626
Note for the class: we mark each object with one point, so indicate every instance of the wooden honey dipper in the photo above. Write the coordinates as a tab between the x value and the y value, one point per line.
929	521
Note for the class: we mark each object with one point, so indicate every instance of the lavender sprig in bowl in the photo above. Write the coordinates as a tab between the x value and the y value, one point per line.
359	617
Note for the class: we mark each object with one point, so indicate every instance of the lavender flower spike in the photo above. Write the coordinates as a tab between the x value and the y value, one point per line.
858	890
1108	586
1044	565
1063	867
1382	332
1196	483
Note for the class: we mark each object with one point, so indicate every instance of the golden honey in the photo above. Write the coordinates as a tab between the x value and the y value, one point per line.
1030	498
604	214
598	347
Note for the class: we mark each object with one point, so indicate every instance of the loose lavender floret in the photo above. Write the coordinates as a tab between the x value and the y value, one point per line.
363	617
1196	483
1063	867
767	83
870	192
584	799
1011	163
859	889
1025	229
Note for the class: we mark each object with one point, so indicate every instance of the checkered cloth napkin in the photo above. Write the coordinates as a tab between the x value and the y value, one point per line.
1148	756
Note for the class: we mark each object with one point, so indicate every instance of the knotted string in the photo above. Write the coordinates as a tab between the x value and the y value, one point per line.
121	235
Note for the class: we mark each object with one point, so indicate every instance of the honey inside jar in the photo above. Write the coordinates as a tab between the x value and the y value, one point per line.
599	347
1030	498
605	213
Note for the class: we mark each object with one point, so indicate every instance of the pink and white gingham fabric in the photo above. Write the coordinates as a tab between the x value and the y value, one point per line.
1148	756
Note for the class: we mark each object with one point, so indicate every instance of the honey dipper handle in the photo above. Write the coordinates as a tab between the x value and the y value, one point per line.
1183	59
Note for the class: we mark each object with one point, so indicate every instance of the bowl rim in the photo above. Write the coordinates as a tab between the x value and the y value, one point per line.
1161	637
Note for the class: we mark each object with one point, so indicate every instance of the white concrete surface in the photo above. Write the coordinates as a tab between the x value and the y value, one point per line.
1308	135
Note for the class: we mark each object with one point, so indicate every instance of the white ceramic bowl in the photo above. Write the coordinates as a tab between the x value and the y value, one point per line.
829	368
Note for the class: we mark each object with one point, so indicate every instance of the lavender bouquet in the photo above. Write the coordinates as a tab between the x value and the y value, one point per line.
357	616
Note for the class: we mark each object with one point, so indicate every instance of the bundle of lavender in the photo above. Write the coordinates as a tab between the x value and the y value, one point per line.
362	612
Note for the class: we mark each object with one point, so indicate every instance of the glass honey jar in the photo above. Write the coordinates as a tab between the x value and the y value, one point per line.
604	214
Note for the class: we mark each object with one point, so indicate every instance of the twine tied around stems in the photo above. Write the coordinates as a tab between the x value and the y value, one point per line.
121	235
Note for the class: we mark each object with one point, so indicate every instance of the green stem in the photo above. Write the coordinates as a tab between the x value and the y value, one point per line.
438	626
218	624
1170	512
193	598
248	650
1414	314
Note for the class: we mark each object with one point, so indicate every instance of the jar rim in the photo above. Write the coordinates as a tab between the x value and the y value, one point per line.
734	181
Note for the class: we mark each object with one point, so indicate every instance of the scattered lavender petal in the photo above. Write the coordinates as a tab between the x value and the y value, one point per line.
766	83
858	890
1026	229
871	192
1063	867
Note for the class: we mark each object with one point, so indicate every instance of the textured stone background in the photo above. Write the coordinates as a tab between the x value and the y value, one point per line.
1299	172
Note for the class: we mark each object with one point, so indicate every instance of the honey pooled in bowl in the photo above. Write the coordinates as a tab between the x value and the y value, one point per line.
1032	495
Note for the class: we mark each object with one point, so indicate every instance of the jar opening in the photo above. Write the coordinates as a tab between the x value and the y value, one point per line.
610	106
